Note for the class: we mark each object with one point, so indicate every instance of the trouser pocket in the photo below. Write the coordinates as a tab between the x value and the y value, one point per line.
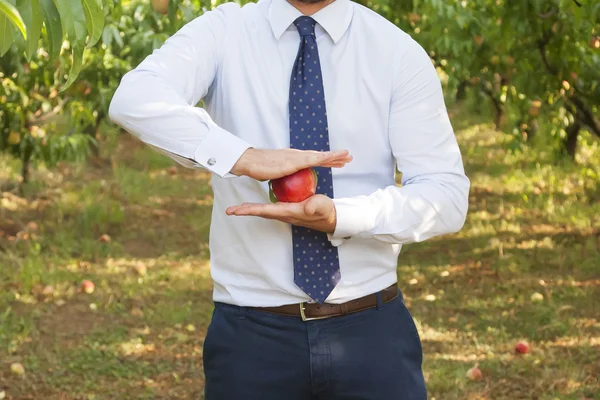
408	324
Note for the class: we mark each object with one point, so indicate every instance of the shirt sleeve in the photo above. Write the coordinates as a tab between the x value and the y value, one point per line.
156	101
433	197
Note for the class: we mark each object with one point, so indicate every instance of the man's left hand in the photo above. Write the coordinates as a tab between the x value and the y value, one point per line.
317	212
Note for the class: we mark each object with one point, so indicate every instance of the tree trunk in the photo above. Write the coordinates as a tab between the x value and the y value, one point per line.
94	131
499	118
499	115
25	166
461	91
532	129
570	143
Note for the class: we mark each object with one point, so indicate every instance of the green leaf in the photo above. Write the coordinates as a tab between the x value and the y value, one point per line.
32	16
53	27
10	13
72	18
6	39
76	65
19	42
272	196
94	17
107	35
171	13
116	35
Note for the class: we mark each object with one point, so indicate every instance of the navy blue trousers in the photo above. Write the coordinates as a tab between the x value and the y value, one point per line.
374	354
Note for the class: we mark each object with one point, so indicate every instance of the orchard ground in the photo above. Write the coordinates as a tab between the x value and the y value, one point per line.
525	266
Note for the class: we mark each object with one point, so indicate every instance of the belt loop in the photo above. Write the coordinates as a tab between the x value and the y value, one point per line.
379	300
401	295
344	308
241	312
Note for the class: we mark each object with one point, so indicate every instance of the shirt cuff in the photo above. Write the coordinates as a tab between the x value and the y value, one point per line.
220	150
353	217
335	242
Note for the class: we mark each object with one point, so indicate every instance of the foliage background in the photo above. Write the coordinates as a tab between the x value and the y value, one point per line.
82	200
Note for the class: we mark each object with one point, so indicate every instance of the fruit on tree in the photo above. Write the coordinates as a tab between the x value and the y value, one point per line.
414	17
160	6
534	110
14	137
294	188
80	88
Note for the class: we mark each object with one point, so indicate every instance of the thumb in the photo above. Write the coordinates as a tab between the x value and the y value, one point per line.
316	206
310	207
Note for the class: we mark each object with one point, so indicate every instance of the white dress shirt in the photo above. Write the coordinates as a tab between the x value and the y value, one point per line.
384	104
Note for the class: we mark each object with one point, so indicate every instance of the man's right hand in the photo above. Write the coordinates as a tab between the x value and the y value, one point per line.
264	165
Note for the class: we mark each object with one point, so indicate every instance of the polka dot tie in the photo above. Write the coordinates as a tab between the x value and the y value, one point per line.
316	263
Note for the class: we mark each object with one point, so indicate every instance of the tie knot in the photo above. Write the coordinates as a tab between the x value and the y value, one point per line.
305	26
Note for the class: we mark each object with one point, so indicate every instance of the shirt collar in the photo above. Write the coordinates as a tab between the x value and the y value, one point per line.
334	19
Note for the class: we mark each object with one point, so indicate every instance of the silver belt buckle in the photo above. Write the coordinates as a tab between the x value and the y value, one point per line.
305	318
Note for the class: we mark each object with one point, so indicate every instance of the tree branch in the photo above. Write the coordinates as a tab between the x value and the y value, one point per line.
49	115
549	14
542	49
585	115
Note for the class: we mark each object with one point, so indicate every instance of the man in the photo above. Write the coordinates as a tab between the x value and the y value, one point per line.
306	298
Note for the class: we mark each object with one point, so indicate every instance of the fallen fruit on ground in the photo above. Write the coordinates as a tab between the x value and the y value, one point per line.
87	286
141	269
474	374
17	369
537	297
294	188
522	347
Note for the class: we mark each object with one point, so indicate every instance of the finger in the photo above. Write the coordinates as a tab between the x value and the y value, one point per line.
315	158
276	211
231	209
336	153
338	162
335	164
234	209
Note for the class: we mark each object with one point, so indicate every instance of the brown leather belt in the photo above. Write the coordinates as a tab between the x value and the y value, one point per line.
312	311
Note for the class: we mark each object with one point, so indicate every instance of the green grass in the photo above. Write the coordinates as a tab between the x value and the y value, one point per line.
525	266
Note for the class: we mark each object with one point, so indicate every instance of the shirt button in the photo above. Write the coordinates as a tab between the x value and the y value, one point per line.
211	161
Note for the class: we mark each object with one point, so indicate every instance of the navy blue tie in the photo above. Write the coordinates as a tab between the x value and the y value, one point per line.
316	263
